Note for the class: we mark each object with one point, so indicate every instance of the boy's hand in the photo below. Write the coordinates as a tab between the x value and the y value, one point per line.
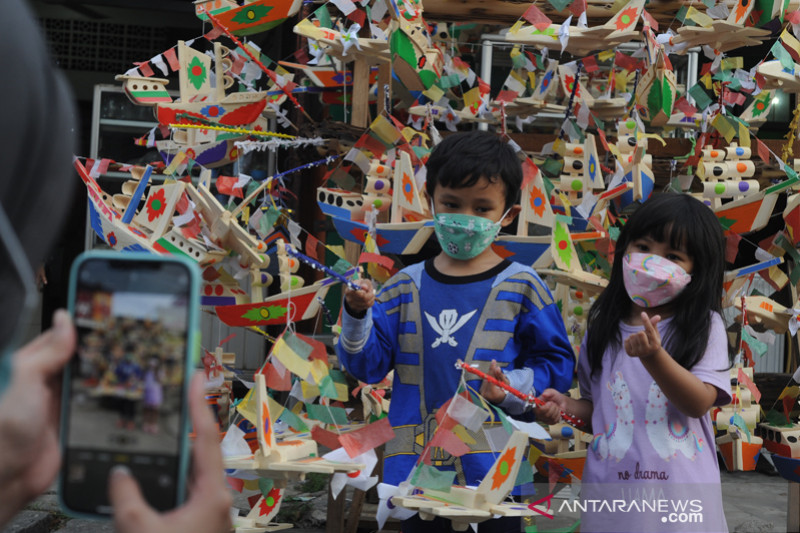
492	392
362	299
554	403
645	343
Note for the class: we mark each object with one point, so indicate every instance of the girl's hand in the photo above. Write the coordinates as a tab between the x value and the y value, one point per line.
362	299
645	343
490	391
554	403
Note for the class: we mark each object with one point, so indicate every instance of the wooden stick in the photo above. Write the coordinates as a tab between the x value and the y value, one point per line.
270	73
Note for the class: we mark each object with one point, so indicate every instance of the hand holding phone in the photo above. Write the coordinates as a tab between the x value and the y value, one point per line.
124	393
29	417
208	507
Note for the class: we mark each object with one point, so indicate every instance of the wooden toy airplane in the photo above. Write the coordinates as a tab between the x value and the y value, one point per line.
259	519
286	459
621	28
465	505
722	35
336	43
755	114
777	78
765	313
225	228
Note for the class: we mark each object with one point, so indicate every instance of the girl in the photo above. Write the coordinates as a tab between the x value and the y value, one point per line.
653	362
153	394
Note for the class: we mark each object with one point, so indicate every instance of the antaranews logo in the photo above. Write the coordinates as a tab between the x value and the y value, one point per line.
672	511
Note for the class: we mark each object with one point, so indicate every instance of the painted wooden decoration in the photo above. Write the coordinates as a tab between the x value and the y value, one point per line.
465	505
286	459
657	90
254	16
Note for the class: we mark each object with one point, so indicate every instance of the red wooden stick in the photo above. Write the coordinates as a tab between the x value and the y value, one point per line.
528	398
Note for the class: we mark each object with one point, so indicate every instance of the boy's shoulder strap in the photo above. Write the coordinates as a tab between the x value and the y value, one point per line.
513	269
404	282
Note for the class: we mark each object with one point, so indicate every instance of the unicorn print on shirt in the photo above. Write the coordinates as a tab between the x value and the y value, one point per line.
618	436
667	434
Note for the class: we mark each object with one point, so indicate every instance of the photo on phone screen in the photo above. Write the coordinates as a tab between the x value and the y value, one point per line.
126	381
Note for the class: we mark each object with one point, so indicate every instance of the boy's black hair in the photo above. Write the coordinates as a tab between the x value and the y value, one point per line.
462	159
680	220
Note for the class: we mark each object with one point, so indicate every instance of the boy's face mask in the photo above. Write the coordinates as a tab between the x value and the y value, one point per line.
465	236
652	280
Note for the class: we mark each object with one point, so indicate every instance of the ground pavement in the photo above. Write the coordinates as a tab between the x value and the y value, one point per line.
754	503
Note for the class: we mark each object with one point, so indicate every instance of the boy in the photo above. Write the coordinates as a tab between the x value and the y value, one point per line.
466	303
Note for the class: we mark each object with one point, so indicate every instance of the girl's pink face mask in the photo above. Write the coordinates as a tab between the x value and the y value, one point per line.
652	280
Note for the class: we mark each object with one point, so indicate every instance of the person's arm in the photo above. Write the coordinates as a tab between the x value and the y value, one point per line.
556	402
29	415
682	388
546	359
367	343
208	508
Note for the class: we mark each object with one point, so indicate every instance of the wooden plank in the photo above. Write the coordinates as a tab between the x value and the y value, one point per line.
360	116
354	514
335	518
507	12
793	508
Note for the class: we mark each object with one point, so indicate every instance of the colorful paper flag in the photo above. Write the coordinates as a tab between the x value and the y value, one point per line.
537	18
367	438
428	477
747	382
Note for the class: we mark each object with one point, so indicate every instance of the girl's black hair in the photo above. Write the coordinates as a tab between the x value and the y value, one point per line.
462	159
680	220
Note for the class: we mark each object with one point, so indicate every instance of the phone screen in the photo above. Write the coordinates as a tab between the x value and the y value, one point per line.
126	382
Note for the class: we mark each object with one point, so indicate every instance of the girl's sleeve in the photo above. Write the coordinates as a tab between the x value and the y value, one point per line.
714	367
367	345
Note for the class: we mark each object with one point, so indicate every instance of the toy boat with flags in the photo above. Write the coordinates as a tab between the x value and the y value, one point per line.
199	98
118	222
203	102
389	194
142	90
253	16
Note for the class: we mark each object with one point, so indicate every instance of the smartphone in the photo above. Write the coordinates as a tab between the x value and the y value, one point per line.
125	390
